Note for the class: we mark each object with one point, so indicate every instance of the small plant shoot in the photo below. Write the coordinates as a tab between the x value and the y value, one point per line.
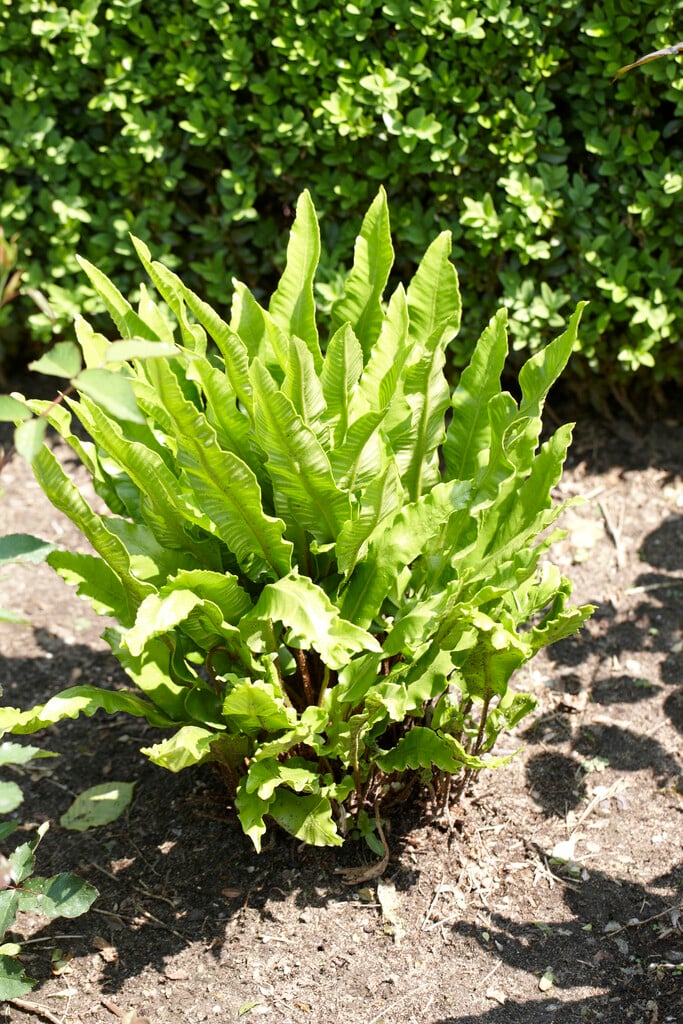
325	564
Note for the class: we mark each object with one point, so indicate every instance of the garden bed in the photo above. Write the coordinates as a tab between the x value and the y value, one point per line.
474	919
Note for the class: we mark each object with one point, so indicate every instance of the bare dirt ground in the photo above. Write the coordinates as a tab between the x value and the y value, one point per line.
556	896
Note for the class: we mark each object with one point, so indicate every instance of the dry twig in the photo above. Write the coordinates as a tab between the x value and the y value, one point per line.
40	1011
614	534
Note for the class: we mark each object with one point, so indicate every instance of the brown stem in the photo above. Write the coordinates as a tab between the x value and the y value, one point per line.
482	723
229	776
302	665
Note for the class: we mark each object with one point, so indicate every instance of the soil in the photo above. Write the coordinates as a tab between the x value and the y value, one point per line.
555	894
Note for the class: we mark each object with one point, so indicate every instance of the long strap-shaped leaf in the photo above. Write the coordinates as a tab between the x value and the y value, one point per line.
96	581
434	296
394	545
225	488
536	378
250	321
373	258
363	453
535	494
65	496
59	417
380	500
232	427
231	346
341	371
81	700
297	463
434	310
164	508
122	313
504	528
469	435
171	289
304	390
383	371
292	305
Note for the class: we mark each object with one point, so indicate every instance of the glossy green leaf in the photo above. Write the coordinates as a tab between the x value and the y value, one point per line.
22	547
122	313
112	392
172	290
424	748
434	308
152	673
536	378
251	810
254	708
12	410
139	348
468	436
14	982
9	904
79	700
96	581
373	257
64	494
10	797
307	817
29	437
341	371
21	753
304	390
164	507
384	366
433	296
310	619
63	895
380	500
226	489
98	805
292	305
298	466
394	545
190	745
186	598
23	859
363	455
231	345
62	360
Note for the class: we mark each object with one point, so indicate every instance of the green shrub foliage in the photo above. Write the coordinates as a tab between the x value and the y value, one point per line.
196	125
325	566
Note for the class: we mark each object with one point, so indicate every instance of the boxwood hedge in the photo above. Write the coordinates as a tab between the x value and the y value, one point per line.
196	124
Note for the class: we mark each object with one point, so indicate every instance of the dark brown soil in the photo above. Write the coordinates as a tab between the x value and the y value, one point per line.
490	928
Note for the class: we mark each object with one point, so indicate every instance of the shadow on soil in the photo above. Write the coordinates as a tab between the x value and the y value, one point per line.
653	626
626	964
178	870
604	443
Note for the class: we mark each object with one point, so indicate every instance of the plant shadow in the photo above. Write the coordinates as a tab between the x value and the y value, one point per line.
618	941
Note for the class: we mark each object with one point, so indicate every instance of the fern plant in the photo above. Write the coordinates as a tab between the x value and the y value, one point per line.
325	564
